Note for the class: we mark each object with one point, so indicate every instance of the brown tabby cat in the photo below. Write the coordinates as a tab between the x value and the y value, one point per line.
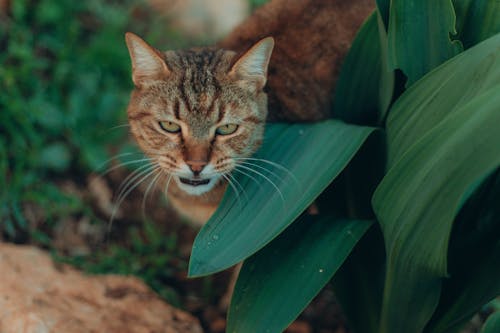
198	113
195	113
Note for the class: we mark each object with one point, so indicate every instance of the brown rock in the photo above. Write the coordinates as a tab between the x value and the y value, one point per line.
36	296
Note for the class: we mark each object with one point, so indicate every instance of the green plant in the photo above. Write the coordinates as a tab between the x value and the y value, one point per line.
65	82
406	177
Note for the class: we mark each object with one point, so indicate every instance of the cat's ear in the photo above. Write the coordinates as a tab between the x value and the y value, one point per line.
251	67
147	62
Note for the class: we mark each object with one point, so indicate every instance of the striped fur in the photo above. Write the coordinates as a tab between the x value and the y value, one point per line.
198	90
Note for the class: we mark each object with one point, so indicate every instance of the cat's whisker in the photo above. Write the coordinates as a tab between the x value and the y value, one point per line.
274	164
114	128
136	173
277	165
239	185
116	157
124	164
132	177
129	188
246	174
265	177
168	183
249	176
271	173
124	187
235	189
151	185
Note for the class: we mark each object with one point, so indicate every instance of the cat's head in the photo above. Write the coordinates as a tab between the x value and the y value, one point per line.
196	112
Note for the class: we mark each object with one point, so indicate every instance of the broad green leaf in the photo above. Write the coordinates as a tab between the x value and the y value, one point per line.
272	198
419	36
359	283
365	84
416	203
473	259
278	282
477	20
440	93
474	290
492	324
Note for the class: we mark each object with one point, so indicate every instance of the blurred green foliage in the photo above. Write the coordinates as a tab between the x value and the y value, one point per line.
64	82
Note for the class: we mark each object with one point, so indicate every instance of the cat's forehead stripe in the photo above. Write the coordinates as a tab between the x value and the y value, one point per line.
177	109
222	111
184	94
200	67
198	86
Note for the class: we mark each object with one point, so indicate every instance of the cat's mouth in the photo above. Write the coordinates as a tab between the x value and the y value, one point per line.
196	186
194	182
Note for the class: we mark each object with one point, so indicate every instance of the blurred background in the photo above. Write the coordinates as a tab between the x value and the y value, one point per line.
65	149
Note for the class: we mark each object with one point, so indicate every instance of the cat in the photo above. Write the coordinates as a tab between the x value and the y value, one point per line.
198	113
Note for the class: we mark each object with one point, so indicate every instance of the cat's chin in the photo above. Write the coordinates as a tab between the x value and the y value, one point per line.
196	186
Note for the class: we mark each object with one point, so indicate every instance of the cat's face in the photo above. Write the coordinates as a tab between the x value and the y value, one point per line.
197	112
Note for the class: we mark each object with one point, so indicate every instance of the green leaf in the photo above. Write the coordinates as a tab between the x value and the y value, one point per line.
474	273
359	283
418	199
477	20
48	116
383	7
55	156
314	154
440	93
365	84
419	36
290	270
478	287
492	324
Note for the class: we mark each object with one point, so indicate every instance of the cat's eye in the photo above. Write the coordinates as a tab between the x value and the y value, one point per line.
226	129
170	127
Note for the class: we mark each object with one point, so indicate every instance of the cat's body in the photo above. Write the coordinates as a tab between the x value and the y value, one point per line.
312	37
199	113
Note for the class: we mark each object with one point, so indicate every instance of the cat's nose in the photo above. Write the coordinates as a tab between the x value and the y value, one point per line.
196	166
